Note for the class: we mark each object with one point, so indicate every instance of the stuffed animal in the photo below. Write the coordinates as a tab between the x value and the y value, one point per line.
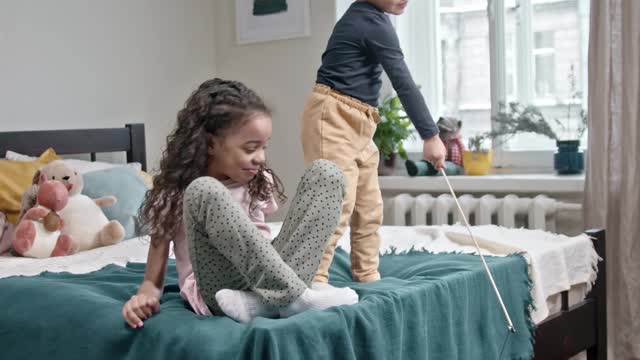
39	232
424	168
452	140
30	195
450	135
83	217
6	233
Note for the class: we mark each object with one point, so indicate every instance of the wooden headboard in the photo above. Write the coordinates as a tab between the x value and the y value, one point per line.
129	139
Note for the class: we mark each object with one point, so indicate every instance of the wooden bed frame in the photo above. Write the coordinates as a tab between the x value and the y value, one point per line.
129	139
580	327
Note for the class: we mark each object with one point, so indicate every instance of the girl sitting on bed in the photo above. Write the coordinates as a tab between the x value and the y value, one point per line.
211	197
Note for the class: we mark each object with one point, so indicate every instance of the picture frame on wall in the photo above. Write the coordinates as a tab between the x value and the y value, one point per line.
268	20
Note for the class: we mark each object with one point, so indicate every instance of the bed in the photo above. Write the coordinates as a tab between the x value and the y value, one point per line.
76	315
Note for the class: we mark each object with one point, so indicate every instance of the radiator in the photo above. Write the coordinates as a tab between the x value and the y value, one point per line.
510	211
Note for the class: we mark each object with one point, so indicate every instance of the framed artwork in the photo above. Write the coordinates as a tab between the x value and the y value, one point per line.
267	20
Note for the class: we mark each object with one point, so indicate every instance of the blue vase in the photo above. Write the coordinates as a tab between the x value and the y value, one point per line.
568	160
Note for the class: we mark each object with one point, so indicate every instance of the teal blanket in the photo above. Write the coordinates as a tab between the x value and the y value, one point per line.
427	306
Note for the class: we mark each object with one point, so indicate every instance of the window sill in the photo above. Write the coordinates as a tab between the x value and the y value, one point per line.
506	183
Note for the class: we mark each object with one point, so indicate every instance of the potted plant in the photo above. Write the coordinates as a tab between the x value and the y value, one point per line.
510	120
516	118
390	134
477	159
569	159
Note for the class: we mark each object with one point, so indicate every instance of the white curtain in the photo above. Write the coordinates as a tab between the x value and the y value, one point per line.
612	190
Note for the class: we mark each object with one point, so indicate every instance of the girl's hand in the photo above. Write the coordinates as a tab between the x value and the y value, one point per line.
147	301
139	308
433	151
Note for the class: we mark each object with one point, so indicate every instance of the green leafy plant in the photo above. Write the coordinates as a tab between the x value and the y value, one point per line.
510	120
393	128
515	118
477	142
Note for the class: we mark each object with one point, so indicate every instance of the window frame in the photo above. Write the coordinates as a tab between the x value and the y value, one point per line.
423	18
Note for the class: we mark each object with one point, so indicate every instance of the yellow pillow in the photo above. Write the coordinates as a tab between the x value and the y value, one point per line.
15	179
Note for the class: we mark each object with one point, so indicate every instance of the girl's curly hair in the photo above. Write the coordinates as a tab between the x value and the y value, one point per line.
215	107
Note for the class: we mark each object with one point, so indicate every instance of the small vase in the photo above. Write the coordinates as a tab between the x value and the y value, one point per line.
476	163
568	160
386	166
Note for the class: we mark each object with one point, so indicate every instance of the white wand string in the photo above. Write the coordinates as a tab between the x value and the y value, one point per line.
486	267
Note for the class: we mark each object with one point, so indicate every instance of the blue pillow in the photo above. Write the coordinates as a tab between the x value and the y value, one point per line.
126	186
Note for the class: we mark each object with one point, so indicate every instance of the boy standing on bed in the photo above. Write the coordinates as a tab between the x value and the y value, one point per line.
340	118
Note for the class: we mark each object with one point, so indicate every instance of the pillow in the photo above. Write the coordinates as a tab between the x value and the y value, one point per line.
85	166
10	155
15	178
82	166
123	183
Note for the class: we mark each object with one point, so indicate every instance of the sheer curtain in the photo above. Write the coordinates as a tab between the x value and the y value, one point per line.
612	190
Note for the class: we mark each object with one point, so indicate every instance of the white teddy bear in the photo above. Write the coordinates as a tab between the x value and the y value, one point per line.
84	221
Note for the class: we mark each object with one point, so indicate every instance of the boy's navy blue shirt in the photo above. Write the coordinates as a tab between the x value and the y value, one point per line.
362	44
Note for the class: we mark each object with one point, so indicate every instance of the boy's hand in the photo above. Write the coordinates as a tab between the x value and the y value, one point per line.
433	151
139	308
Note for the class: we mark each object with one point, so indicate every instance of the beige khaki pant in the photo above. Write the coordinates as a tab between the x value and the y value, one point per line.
340	128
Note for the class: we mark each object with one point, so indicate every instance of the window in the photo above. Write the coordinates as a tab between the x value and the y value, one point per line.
557	31
544	53
466	80
470	55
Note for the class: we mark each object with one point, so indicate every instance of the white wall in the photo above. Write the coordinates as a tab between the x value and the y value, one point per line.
89	63
283	73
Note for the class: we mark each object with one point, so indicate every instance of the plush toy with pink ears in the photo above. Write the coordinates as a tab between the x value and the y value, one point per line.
82	218
39	233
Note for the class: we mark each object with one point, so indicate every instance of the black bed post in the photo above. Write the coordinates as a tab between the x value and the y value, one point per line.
137	153
599	293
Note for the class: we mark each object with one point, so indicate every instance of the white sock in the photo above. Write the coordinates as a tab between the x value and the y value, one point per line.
319	285
318	300
323	286
243	306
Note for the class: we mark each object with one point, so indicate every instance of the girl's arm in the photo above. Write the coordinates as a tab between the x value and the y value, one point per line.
155	270
147	300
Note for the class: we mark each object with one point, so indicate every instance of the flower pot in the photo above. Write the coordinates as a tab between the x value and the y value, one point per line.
386	166
568	160
476	163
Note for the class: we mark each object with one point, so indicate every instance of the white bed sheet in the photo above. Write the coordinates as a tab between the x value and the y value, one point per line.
556	262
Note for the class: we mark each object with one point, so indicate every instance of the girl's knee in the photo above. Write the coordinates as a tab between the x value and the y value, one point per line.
204	188
326	171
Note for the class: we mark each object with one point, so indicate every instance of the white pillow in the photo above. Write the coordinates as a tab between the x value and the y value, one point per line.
14	156
83	166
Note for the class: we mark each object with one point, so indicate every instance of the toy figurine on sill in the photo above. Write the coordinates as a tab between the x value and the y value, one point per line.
450	135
